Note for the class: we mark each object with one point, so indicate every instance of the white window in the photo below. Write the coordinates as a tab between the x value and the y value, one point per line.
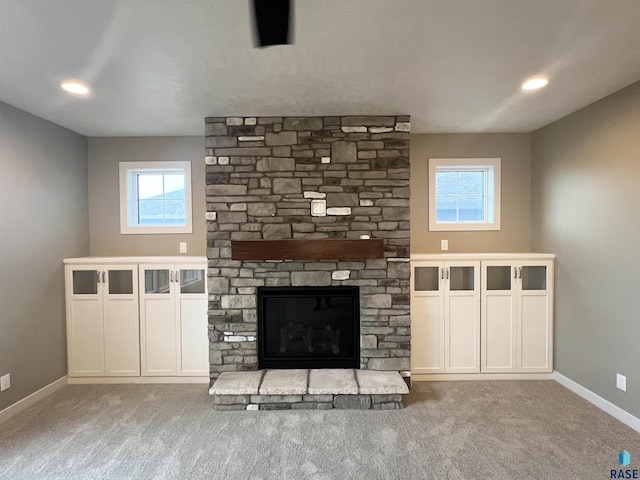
464	194
155	197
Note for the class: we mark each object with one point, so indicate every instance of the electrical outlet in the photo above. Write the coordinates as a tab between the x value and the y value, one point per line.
5	382
621	382
183	247
444	244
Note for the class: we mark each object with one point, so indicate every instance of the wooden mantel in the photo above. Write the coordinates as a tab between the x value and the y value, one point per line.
338	249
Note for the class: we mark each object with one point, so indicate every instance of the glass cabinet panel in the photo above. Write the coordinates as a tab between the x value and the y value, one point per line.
534	277
499	278
85	282
157	281
192	281
426	279
120	282
461	278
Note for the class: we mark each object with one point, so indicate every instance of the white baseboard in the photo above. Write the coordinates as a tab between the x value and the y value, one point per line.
134	380
26	402
605	405
456	377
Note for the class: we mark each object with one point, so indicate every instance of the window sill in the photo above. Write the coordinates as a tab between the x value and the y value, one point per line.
464	227
126	230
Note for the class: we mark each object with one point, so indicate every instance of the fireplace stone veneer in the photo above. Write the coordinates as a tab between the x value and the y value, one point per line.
262	173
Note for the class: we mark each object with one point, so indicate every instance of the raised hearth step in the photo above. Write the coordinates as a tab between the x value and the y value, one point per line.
380	383
317	389
332	381
237	383
284	382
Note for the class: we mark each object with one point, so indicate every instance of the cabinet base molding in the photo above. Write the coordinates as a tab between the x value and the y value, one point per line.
135	380
452	377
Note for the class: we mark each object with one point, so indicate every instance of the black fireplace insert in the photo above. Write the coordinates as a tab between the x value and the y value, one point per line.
308	327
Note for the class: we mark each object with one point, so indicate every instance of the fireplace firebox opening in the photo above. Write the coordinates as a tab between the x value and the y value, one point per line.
309	327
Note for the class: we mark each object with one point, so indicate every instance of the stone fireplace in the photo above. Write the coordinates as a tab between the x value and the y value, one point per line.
262	175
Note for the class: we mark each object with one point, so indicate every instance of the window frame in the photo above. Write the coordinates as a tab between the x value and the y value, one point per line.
128	171
492	198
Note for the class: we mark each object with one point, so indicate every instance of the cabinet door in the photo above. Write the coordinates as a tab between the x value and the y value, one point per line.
499	316
535	317
85	328
462	317
121	326
157	320
192	334
427	317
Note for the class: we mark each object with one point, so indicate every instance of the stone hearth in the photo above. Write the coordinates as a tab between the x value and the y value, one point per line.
262	173
309	390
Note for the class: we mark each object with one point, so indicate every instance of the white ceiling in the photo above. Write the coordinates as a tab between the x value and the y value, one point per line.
158	67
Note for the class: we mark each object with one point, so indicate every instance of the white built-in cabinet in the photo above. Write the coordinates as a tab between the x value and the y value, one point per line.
102	320
137	317
481	315
173	300
517	316
447	296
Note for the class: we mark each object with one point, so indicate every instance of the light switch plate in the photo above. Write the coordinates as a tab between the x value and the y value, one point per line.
183	247
318	208
621	382
444	244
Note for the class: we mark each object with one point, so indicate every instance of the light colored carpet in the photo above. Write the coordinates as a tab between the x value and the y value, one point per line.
449	430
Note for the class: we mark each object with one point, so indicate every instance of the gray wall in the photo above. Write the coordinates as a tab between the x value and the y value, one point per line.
515	227
104	194
43	219
586	174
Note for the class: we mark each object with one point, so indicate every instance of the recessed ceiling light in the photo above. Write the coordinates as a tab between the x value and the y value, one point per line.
535	83
75	87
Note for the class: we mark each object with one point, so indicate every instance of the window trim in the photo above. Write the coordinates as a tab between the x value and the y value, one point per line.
492	196
127	172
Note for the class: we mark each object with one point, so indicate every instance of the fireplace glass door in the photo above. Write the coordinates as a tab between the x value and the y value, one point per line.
308	327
